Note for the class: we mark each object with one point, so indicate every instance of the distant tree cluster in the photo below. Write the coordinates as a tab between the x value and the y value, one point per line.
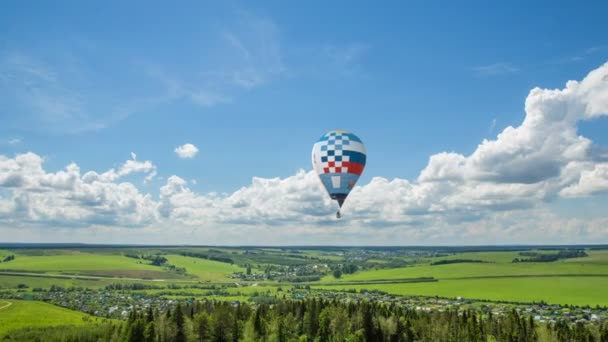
132	286
208	256
8	258
455	261
550	257
300	279
344	269
313	320
157	260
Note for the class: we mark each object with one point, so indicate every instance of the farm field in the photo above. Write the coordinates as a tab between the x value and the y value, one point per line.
204	269
573	267
554	290
15	314
595	257
104	265
76	262
578	281
44	281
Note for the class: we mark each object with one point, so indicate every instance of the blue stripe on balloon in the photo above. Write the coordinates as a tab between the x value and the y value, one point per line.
345	178
352	137
354	157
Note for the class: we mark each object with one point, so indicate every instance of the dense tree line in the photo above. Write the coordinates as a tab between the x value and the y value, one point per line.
315	320
455	261
132	286
300	279
207	256
156	260
544	257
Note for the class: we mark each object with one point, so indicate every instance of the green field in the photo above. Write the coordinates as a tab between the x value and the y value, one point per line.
76	262
204	269
4	253
501	257
472	270
556	290
579	281
15	314
45	282
595	257
105	265
592	265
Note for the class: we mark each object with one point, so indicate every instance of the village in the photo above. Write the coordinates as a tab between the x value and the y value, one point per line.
118	304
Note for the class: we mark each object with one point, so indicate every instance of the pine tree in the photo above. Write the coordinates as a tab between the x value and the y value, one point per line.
368	322
201	326
180	335
150	332
135	331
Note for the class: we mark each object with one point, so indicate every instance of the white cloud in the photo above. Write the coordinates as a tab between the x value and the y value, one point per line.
593	179
497	194
541	148
186	151
129	167
67	198
14	141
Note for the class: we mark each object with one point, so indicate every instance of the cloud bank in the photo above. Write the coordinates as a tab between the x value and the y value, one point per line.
497	194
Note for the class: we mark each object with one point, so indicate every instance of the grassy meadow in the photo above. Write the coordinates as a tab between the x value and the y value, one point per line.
81	262
15	314
204	269
554	290
499	265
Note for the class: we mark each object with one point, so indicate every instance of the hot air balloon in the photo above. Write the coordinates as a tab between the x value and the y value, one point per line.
339	158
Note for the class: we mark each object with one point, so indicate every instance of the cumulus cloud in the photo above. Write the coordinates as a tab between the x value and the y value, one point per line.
68	198
186	151
542	148
499	191
593	179
129	167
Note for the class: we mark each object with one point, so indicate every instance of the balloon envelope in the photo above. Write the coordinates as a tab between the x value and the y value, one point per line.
339	158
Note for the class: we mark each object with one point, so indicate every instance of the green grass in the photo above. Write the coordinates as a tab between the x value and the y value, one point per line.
508	256
20	314
4	253
104	265
464	270
595	257
555	290
499	257
204	269
324	255
76	262
11	282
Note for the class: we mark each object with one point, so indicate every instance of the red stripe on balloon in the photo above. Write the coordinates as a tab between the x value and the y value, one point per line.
355	168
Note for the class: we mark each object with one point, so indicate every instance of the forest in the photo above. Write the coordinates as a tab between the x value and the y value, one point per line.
313	320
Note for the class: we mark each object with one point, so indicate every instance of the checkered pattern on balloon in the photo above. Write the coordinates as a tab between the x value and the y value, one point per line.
339	159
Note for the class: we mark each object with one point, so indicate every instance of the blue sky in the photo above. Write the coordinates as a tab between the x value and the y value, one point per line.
253	86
